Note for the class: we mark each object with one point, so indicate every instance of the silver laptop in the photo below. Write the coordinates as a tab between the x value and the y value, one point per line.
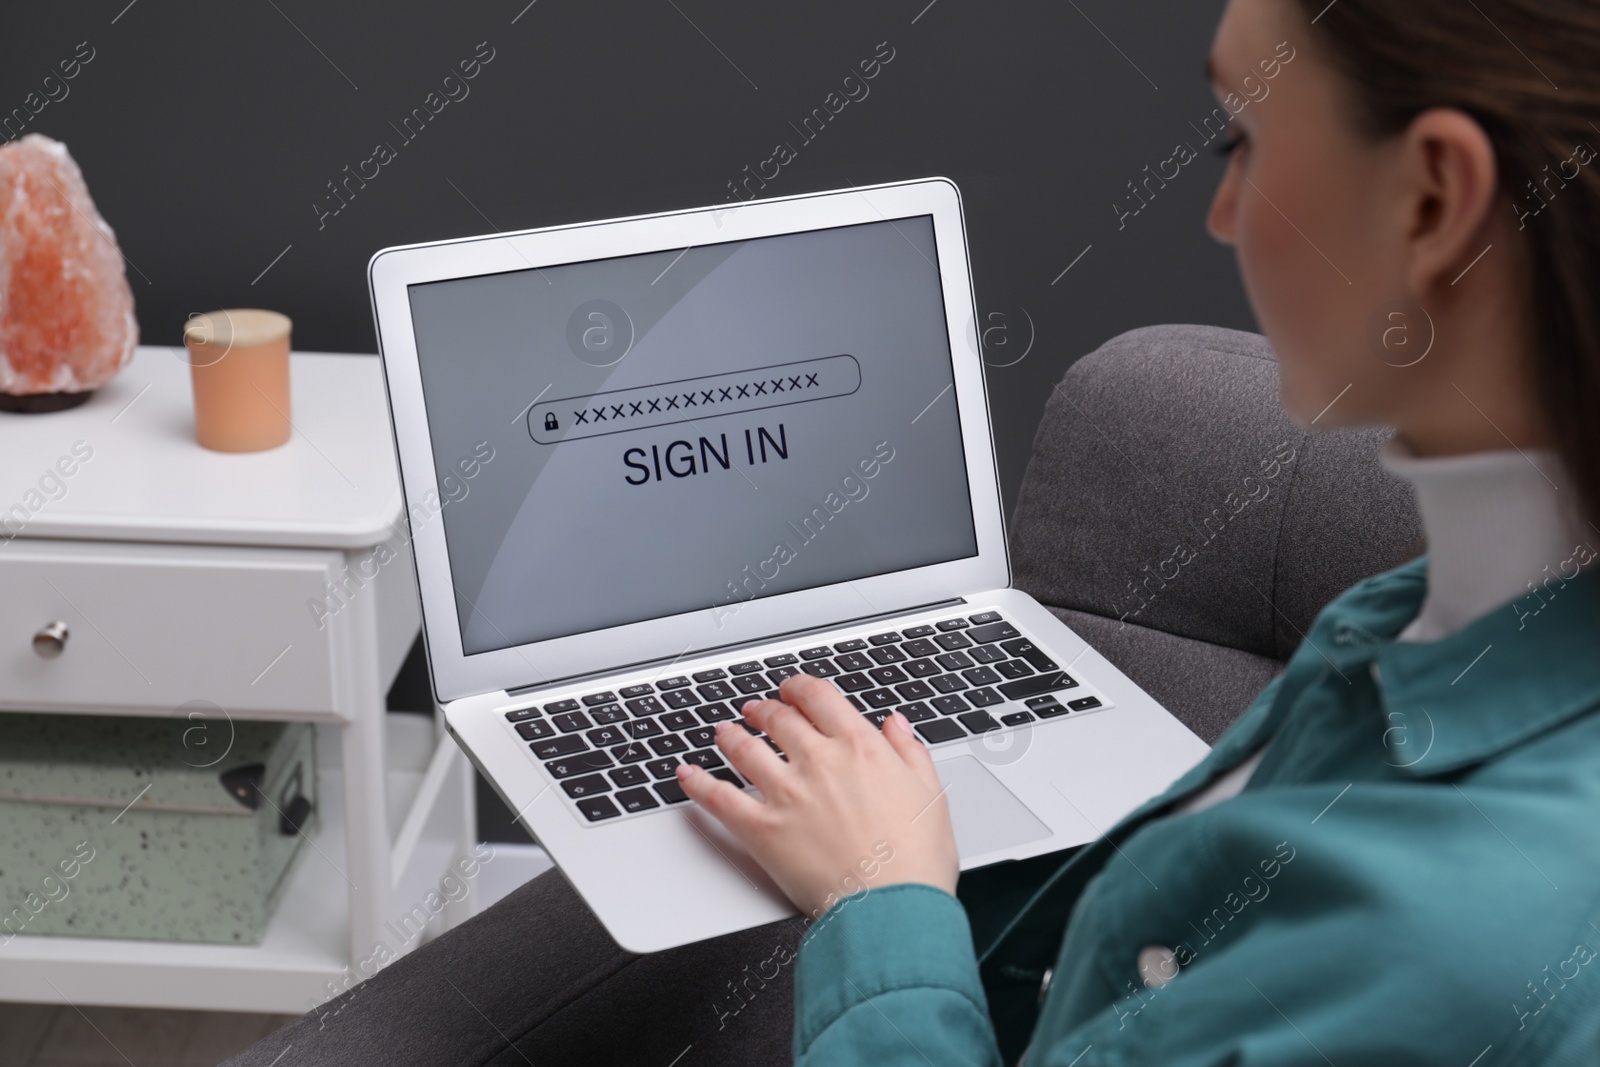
654	465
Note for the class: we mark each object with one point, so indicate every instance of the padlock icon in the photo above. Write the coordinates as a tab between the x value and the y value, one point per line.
550	422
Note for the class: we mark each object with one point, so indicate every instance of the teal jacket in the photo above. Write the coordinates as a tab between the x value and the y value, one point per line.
1412	875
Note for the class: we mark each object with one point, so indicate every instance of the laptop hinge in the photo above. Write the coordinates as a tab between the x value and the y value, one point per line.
736	646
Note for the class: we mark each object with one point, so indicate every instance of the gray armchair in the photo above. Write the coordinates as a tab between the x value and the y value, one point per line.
1175	518
1140	448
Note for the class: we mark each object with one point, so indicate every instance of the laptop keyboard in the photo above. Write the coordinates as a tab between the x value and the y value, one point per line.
614	752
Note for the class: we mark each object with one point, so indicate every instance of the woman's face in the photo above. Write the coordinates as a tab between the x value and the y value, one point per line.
1312	207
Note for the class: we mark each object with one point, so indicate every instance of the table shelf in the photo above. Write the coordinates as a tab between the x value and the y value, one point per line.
306	943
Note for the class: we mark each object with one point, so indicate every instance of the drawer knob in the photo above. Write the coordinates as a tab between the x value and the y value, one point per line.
51	640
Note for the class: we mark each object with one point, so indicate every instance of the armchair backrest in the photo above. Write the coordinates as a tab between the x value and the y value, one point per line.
1167	488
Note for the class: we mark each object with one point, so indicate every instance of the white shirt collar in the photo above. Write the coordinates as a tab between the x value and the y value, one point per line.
1497	523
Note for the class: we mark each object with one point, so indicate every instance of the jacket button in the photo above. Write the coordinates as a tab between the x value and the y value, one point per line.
1158	965
1044	983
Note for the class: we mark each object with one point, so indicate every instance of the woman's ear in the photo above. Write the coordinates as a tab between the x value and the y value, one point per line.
1450	174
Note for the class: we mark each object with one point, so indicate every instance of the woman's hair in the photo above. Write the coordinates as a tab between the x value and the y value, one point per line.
1529	72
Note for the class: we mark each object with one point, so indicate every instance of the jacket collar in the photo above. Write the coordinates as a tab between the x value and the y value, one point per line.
1523	668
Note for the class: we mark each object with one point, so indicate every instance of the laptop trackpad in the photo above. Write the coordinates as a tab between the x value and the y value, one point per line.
985	814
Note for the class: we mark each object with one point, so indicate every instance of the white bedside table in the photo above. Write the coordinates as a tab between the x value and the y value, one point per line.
183	575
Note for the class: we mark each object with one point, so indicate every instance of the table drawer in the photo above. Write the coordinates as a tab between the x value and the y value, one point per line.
158	626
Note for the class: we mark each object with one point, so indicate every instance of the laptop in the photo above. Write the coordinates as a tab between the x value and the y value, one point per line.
655	465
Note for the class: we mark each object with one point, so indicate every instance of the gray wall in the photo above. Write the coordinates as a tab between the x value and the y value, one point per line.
208	133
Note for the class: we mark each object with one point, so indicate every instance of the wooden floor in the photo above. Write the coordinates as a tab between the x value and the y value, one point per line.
44	1035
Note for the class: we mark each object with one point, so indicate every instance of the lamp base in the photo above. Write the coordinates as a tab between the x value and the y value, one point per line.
40	403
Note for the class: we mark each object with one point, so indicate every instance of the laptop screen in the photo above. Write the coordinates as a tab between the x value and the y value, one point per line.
632	438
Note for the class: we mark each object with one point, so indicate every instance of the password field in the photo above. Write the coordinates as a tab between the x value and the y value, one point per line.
692	399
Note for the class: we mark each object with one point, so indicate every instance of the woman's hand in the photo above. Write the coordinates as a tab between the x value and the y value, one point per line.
851	808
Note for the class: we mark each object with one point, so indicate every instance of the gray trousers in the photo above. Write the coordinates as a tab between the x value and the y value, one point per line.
535	980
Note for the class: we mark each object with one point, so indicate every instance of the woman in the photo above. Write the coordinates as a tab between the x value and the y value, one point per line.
1328	892
1417	166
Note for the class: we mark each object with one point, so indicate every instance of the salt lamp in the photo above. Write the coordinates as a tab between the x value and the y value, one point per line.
66	312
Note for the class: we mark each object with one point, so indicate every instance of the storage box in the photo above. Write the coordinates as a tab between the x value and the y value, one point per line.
175	829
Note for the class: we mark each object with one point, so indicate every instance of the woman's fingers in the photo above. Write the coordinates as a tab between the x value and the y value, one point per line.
911	749
821	702
793	732
733	806
750	756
